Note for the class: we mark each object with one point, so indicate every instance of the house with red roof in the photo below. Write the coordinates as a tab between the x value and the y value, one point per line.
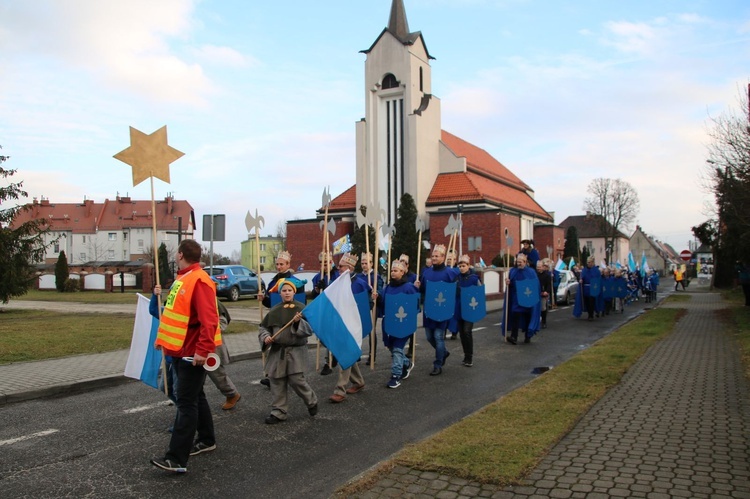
402	148
111	233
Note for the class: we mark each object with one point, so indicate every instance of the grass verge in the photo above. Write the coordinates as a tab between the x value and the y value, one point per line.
738	319
505	440
39	334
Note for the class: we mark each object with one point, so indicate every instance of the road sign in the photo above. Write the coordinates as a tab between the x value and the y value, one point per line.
686	255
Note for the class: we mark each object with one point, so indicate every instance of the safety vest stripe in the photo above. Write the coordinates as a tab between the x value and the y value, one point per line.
171	314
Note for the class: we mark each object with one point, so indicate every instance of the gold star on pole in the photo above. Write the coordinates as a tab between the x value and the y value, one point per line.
149	155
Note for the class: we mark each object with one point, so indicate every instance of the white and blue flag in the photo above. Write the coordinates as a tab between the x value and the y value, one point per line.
144	360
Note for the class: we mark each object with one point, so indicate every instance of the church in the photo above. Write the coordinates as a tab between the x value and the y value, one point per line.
401	147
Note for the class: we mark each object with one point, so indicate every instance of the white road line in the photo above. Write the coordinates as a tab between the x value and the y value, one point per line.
27	437
479	328
146	407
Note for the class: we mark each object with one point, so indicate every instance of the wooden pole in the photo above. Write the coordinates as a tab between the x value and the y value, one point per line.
158	283
507	295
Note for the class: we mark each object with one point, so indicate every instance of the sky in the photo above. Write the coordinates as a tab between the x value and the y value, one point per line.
263	97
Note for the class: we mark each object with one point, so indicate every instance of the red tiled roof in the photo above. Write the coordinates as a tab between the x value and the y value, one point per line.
345	201
481	161
87	217
452	188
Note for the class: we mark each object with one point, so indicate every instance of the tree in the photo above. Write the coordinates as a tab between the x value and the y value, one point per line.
615	204
219	259
61	272
571	243
20	246
406	240
727	176
281	230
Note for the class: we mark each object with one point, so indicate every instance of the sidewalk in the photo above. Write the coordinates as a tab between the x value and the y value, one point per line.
678	425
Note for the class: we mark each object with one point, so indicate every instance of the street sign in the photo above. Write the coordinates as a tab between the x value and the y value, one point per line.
686	255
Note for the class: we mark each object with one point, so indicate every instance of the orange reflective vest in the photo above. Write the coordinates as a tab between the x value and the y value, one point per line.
176	315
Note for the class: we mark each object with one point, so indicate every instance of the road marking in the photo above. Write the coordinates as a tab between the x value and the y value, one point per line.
142	408
27	437
479	328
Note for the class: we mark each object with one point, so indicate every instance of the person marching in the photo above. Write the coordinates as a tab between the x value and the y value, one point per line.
368	275
523	304
189	331
320	282
352	374
545	289
532	255
435	327
394	340
466	278
591	286
283	334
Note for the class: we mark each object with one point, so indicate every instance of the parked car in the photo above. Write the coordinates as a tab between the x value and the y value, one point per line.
566	291
233	281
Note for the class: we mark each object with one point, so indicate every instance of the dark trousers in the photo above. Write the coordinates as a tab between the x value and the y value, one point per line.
590	302
465	329
193	412
746	290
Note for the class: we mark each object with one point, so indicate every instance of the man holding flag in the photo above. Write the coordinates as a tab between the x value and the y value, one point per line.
188	332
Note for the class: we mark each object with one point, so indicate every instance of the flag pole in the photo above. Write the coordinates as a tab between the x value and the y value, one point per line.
158	282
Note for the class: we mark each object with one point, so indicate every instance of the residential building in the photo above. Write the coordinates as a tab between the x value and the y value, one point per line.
402	148
120	230
660	256
591	231
270	246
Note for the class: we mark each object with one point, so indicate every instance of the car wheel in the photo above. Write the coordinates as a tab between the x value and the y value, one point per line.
234	294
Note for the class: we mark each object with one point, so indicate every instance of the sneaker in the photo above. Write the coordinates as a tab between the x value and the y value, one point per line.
231	402
468	363
266	382
168	465
407	370
436	372
395	382
326	370
312	410
200	447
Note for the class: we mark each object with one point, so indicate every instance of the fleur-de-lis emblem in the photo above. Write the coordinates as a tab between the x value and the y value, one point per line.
528	292
401	314
254	222
474	303
440	299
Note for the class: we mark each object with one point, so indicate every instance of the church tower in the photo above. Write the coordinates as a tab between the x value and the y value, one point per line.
398	141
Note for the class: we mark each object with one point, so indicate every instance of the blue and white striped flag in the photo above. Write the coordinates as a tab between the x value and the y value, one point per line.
144	360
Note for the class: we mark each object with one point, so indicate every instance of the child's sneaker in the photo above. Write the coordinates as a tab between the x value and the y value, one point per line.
395	382
406	370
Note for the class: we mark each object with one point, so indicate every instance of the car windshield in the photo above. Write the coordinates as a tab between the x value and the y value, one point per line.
217	271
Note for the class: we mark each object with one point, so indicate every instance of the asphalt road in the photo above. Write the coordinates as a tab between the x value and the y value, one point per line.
98	444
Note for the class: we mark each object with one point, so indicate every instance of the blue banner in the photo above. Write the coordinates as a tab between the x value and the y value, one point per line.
608	289
527	292
595	286
363	305
439	300
400	317
473	303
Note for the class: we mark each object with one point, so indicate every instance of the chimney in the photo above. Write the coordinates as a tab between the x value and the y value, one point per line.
170	206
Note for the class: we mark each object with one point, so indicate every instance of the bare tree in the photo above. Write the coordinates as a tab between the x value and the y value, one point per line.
616	204
281	229
235	257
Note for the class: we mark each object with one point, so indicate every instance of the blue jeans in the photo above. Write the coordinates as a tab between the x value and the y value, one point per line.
436	338
399	362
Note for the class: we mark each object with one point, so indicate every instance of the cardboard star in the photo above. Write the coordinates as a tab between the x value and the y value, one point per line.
149	155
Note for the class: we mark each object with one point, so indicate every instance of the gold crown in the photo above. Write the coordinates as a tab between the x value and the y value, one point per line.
284	255
439	248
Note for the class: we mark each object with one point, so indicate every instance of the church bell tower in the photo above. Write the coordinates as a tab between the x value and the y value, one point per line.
398	141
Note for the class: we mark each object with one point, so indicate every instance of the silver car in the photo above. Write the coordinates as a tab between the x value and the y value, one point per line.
566	291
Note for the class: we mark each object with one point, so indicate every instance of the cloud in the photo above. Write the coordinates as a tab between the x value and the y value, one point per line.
224	56
125	45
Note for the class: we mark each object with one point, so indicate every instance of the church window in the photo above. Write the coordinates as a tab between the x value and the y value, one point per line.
421	80
389	81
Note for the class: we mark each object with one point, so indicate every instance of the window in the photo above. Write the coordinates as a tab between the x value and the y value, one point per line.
140	243
112	236
57	247
262	260
590	247
110	254
475	243
84	239
83	257
124	236
389	81
263	246
276	247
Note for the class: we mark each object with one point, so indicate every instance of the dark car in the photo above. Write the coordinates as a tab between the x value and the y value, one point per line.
233	281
